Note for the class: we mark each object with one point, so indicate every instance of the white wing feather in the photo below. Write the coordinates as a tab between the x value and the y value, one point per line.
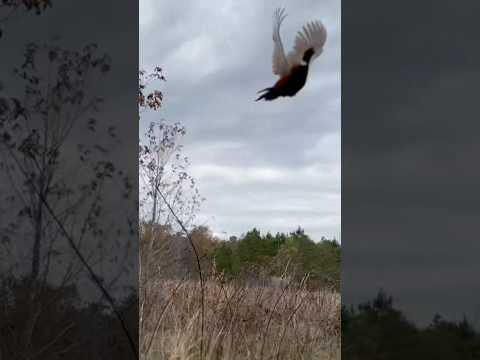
280	63
313	35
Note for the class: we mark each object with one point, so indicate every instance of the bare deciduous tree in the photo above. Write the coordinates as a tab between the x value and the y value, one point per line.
170	202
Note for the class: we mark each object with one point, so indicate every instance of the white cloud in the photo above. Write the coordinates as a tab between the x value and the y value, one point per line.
315	173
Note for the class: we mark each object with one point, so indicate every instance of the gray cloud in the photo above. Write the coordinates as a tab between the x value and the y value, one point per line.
271	165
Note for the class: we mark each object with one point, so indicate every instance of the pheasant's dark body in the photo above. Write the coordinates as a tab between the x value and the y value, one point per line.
288	85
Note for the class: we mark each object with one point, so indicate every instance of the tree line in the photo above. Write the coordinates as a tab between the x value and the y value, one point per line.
291	255
252	255
378	330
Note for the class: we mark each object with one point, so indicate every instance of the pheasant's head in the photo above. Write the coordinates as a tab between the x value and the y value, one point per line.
308	55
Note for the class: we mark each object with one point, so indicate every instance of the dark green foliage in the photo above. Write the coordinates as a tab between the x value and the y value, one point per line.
225	259
256	249
376	330
294	254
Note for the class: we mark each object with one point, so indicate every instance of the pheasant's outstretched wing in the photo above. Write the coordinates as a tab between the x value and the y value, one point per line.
280	64
313	35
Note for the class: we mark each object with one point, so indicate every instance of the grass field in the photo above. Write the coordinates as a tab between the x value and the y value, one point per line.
241	321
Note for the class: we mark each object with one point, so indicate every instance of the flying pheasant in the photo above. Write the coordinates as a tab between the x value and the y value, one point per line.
293	68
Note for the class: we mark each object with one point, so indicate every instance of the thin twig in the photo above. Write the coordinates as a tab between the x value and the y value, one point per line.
271	315
162	312
92	274
199	268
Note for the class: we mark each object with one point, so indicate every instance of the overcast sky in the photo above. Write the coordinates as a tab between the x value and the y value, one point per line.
271	165
410	155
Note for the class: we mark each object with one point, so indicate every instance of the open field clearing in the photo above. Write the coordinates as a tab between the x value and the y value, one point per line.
241	321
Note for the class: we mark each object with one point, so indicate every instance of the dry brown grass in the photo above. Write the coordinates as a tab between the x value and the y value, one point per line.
241	322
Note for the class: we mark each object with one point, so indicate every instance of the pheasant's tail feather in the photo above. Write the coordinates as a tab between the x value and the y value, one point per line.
268	94
264	96
266	89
